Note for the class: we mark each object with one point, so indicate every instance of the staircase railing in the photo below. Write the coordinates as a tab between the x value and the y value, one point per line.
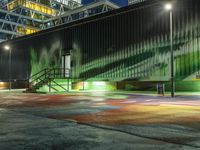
47	75
39	76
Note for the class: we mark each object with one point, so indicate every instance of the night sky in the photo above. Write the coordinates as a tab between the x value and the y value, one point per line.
119	2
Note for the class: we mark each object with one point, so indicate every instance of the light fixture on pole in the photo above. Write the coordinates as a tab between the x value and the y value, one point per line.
7	48
169	8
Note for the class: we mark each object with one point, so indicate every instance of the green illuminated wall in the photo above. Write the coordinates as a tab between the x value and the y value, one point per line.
134	45
47	58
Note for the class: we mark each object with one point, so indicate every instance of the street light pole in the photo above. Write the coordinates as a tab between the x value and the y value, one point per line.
10	52
172	85
7	48
172	54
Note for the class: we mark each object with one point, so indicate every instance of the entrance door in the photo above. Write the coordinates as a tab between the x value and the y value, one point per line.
66	65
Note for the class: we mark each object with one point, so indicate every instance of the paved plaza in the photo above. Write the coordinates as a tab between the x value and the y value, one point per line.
98	120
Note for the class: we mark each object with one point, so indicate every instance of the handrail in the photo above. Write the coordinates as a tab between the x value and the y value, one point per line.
59	85
43	74
59	72
47	75
37	73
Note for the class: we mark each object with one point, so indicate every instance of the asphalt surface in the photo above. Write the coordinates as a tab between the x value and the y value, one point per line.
98	120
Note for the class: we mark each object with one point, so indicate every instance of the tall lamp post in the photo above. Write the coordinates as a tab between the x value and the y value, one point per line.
168	7
7	48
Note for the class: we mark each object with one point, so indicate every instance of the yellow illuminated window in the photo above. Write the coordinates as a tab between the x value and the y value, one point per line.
32	5
26	30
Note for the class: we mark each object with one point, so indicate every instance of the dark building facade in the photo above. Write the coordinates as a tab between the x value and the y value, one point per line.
130	44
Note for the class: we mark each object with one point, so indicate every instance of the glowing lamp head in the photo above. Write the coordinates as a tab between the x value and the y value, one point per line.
168	6
7	48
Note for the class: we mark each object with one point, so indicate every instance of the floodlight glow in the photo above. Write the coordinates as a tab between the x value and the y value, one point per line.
7	48
168	6
99	83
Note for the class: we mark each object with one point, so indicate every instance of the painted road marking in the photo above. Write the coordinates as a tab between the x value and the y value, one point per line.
149	100
128	102
193	103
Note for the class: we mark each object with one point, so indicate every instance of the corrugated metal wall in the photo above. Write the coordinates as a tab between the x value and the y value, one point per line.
127	44
134	44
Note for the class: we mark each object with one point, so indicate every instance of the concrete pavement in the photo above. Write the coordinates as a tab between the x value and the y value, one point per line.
98	120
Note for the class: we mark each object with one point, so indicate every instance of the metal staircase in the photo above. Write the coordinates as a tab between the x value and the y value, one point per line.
47	77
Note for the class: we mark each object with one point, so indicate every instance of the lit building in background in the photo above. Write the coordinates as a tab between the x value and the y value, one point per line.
23	17
121	3
130	2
